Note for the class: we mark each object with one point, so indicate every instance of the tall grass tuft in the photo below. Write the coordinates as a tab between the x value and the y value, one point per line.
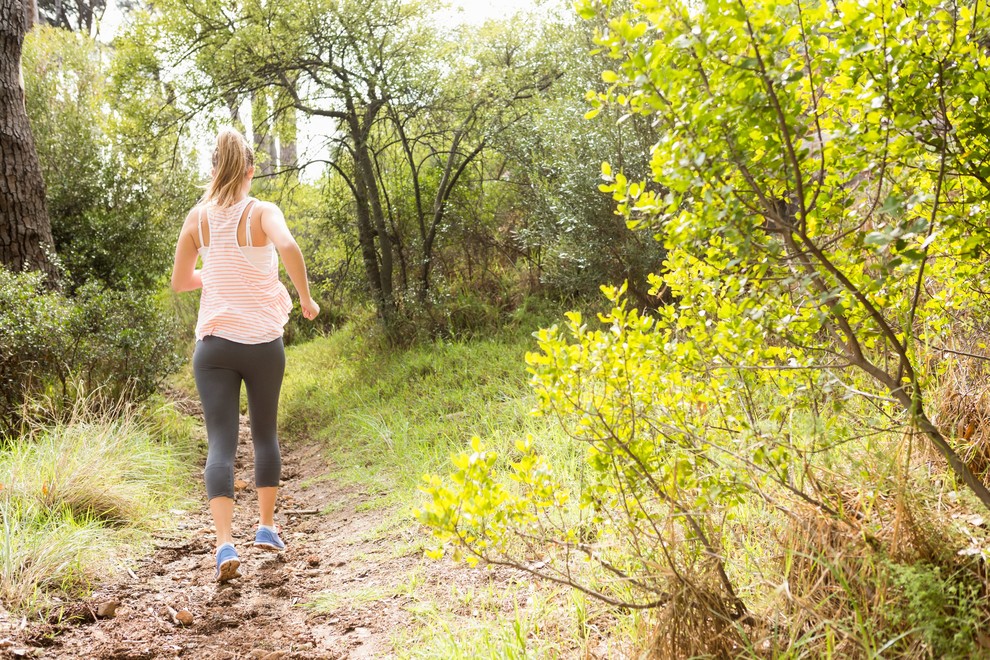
78	495
963	403
40	553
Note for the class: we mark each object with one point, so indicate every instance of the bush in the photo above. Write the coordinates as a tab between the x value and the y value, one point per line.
31	337
782	408
123	340
943	609
704	486
119	343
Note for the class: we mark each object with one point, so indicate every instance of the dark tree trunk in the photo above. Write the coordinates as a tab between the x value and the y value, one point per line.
80	15
364	174
25	230
366	238
372	212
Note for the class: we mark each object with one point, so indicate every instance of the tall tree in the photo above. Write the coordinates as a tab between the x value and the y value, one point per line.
25	230
286	128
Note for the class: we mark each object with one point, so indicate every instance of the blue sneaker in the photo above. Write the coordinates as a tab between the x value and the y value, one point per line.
268	540
227	564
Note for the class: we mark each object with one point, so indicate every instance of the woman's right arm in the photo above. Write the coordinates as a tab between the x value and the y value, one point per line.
185	277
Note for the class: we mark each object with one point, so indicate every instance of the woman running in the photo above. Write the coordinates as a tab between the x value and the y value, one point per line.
242	313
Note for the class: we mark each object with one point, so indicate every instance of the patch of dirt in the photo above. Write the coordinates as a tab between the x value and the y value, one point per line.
334	547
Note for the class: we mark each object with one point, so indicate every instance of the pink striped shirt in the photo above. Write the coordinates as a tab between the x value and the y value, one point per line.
240	302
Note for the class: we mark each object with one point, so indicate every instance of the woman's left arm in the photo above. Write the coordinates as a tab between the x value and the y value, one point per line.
273	224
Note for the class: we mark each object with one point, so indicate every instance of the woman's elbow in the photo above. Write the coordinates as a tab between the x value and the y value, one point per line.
181	285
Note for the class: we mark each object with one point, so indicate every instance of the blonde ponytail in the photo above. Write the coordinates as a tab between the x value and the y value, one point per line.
232	158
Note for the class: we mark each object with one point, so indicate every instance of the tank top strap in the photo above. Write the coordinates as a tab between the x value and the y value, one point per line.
247	224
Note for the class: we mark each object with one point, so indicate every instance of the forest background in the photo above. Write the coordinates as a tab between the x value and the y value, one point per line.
767	434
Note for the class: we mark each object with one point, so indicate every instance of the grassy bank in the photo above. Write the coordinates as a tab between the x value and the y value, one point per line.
389	416
81	496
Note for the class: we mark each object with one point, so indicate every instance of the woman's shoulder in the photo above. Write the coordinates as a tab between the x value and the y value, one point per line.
196	214
263	206
267	210
192	218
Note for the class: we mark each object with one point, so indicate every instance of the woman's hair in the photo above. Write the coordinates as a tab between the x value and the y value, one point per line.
232	158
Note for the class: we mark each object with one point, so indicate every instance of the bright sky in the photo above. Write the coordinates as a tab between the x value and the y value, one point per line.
467	11
478	11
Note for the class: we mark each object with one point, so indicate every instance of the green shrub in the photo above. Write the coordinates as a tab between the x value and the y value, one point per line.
944	608
32	321
123	341
117	342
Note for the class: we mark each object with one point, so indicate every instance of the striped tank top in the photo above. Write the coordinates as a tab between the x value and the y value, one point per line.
240	302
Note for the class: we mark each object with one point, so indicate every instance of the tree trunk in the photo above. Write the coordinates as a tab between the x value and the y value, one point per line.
272	149
262	129
364	174
365	178
31	12
233	104
25	229
286	130
366	238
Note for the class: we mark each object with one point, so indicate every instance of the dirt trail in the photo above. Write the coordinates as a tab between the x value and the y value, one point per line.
337	550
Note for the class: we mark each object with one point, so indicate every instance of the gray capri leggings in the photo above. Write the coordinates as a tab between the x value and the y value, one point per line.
219	366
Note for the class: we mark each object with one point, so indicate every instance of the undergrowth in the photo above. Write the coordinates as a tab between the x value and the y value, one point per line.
890	574
81	495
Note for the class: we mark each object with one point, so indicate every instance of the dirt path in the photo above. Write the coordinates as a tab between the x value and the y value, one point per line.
338	550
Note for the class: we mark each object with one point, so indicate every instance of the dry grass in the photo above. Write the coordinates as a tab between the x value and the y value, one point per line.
697	622
886	580
76	495
962	407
